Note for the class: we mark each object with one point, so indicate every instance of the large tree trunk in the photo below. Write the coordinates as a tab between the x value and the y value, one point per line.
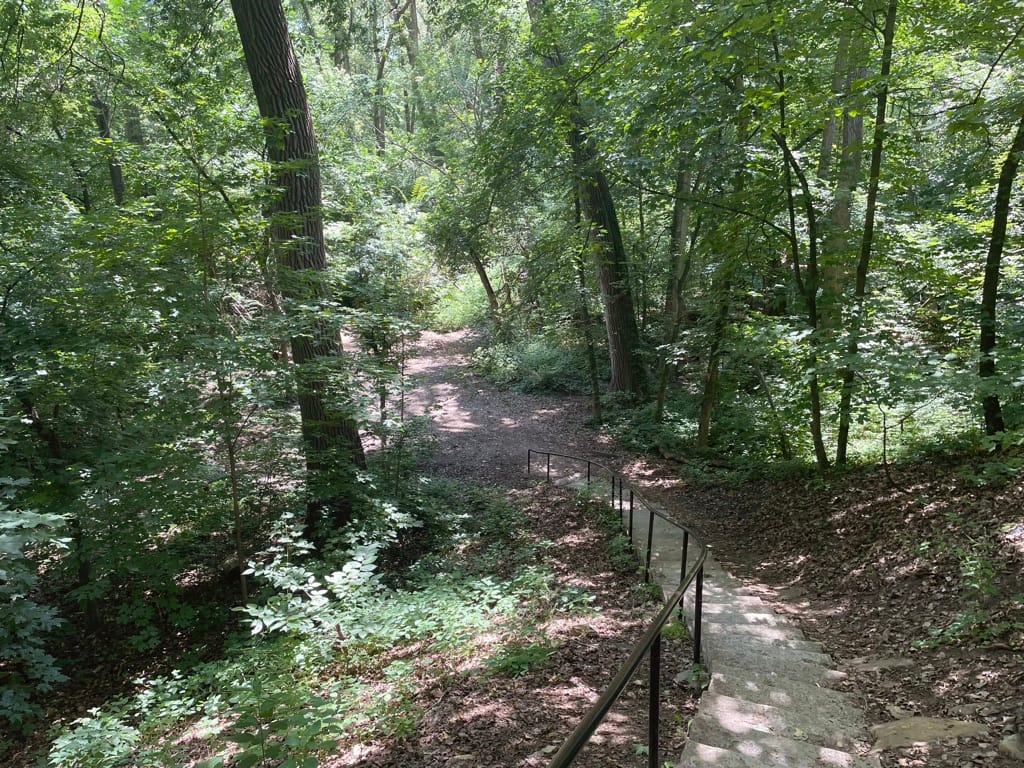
867	240
990	288
331	440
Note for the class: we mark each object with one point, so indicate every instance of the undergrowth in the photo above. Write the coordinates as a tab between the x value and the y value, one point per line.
338	649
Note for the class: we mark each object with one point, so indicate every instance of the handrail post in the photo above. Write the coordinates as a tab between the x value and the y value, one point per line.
549	467
529	460
654	708
588	473
620	497
630	528
613	491
650	544
683	556
698	607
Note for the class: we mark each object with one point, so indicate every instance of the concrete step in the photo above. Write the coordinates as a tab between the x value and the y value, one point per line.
762	631
721	613
721	720
718	602
770	649
776	690
780	662
697	755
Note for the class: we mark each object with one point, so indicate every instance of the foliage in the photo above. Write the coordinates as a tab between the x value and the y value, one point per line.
460	303
326	656
533	366
27	669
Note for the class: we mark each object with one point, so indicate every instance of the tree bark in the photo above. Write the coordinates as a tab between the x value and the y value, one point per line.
609	253
994	423
723	286
331	440
681	248
101	113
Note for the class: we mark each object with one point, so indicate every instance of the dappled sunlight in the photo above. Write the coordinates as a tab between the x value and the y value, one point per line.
1012	535
762	751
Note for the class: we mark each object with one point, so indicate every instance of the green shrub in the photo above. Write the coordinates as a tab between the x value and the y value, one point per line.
26	669
534	366
460	304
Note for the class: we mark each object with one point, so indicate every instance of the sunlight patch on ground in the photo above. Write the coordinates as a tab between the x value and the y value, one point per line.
1012	534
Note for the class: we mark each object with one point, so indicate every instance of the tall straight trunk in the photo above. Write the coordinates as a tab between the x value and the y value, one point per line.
604	235
331	440
837	236
679	249
707	404
343	42
587	324
867	239
839	82
990	287
412	52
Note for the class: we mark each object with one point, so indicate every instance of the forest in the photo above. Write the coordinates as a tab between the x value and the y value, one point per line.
758	239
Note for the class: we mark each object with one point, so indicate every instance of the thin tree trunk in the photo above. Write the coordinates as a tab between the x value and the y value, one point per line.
867	240
485	281
412	51
707	403
809	287
598	207
331	440
588	339
724	288
101	114
681	248
990	288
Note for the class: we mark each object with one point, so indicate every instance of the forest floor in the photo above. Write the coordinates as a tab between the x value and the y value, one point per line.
911	576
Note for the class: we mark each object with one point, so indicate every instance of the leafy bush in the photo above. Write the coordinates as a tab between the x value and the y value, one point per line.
534	366
26	669
460	304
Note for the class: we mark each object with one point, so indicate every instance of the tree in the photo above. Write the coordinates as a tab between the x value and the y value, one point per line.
867	237
331	439
994	423
602	222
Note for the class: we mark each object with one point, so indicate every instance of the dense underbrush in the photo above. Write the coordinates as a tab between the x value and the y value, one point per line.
336	649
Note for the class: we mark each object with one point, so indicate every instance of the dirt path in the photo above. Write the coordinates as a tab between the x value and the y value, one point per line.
482	432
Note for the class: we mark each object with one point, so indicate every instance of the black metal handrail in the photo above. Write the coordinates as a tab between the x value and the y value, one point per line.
650	642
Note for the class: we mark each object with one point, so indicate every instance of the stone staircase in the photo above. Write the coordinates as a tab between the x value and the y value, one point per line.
769	701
